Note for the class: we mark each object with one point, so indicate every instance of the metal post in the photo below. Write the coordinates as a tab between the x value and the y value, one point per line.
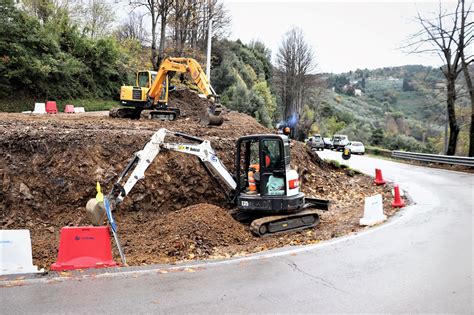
209	40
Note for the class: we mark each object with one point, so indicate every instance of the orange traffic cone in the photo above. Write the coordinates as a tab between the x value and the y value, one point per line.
397	200
378	177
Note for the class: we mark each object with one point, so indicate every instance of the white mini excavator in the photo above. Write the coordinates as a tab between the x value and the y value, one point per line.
269	197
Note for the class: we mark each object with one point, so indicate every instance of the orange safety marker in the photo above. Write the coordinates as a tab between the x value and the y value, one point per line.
378	177
397	200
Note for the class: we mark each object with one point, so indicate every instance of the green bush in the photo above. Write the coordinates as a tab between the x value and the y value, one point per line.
52	60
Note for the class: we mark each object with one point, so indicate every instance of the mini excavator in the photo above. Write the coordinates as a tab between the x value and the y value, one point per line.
264	188
151	93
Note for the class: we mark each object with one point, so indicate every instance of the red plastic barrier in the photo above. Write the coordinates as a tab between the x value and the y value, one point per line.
84	247
51	107
69	109
378	177
397	200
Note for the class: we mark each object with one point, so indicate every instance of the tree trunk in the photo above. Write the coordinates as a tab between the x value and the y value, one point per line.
161	50
467	76
153	42
453	126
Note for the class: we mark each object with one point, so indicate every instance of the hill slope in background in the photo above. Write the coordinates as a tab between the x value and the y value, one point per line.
397	108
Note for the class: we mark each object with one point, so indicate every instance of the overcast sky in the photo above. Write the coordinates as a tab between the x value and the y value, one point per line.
345	35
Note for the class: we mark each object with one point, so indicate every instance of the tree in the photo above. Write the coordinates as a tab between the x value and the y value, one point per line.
189	22
442	35
133	28
98	18
466	33
154	8
41	9
295	60
377	136
39	64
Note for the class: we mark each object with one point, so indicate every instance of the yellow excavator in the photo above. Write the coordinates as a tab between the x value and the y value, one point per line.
151	93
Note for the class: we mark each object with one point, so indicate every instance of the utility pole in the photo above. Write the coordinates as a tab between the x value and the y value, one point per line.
209	40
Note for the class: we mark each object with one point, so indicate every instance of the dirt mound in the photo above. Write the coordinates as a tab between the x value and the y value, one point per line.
189	233
189	103
49	166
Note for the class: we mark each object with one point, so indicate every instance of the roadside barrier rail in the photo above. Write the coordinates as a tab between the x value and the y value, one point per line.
435	158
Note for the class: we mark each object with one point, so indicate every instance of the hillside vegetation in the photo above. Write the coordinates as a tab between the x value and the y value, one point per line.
55	58
396	108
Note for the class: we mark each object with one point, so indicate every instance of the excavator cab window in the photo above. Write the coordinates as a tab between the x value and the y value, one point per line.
143	79
272	167
265	159
164	91
248	157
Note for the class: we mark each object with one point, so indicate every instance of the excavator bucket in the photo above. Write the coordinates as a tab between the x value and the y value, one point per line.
212	117
96	211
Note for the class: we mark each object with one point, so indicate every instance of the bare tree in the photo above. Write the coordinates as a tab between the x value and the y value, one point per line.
154	10
295	61
98	19
133	28
190	21
465	41
180	22
442	35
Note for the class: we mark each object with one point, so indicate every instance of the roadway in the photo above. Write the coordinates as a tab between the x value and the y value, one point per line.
419	261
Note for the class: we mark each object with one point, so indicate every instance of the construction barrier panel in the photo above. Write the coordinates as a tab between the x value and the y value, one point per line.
69	109
79	110
373	211
40	108
51	107
15	253
84	247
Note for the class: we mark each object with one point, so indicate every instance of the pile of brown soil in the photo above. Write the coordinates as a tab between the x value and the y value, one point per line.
189	233
49	166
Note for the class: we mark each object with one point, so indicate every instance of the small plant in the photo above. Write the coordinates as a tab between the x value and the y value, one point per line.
350	172
334	163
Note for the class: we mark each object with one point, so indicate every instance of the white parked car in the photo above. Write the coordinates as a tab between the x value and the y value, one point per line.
356	147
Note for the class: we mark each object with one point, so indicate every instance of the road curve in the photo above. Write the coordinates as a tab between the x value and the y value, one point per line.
420	261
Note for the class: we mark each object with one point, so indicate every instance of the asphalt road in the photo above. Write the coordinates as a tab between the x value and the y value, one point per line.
420	261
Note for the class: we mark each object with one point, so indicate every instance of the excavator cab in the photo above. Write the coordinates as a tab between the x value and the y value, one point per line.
276	184
275	204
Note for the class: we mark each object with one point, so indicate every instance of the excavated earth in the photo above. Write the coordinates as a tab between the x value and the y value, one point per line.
49	165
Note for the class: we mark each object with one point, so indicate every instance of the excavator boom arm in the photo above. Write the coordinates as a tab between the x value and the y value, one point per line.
180	65
135	170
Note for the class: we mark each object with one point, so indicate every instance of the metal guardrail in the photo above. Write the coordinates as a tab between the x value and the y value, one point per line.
435	158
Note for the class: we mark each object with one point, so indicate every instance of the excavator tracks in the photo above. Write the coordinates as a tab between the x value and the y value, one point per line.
124	112
281	223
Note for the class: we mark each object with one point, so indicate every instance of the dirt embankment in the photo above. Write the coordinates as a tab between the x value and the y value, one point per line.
49	166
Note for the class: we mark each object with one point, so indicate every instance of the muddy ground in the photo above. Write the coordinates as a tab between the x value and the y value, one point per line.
49	166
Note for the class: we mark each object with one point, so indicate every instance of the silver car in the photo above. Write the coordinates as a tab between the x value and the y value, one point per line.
316	142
